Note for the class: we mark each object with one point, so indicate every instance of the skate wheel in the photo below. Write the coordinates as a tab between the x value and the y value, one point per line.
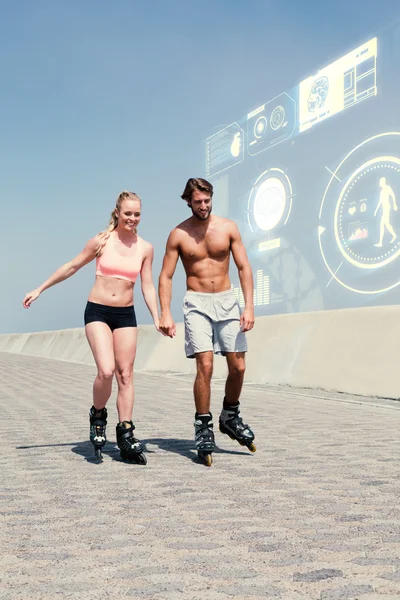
252	447
137	459
205	458
98	453
208	460
141	459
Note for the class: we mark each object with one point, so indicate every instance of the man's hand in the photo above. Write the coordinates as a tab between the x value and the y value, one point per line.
167	326
157	326
247	320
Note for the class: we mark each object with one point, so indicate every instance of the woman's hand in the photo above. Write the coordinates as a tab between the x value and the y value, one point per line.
30	297
157	326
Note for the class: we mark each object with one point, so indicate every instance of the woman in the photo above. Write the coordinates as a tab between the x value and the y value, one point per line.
110	321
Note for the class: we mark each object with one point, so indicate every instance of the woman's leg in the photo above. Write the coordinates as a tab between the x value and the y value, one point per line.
100	339
124	353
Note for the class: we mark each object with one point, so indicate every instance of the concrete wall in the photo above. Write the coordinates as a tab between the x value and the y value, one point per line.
355	350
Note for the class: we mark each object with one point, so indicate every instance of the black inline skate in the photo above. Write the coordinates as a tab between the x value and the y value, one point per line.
231	423
98	422
130	448
204	437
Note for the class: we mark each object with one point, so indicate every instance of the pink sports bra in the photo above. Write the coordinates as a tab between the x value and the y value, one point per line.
112	264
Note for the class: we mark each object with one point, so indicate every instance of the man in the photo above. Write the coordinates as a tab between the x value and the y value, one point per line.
385	196
213	323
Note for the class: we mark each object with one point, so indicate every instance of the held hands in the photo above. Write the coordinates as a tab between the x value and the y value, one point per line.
30	297
167	326
247	320
157	326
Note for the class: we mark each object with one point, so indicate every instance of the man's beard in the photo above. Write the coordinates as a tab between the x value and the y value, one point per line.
201	218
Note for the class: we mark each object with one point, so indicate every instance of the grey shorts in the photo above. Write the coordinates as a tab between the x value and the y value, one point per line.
212	323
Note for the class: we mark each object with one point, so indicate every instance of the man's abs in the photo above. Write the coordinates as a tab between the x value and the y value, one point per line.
208	280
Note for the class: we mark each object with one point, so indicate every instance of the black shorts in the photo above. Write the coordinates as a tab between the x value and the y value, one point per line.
113	316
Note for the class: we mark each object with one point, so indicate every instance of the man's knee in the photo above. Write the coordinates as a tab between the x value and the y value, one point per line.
238	368
205	365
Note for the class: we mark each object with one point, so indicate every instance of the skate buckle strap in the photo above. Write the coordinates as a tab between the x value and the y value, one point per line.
125	434
203	425
242	427
130	423
102	412
204	434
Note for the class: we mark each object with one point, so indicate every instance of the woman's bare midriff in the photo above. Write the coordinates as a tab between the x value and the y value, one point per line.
111	291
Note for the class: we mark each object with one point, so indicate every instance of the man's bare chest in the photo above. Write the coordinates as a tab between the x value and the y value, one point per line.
214	246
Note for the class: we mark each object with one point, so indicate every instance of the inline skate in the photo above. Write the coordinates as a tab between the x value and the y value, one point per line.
98	422
204	437
130	447
231	423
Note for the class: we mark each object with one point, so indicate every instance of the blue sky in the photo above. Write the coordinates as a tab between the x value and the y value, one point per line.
98	97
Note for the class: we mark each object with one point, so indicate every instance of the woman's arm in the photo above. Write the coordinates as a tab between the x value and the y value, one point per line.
148	289
65	271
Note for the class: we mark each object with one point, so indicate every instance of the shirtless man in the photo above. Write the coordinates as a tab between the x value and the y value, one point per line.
213	323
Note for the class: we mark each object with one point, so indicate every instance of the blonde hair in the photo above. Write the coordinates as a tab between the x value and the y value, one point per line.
104	235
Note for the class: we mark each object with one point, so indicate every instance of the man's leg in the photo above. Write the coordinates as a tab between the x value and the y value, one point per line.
203	425
236	369
199	345
381	233
230	421
202	383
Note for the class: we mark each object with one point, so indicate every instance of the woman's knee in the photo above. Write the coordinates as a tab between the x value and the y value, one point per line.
124	376
106	373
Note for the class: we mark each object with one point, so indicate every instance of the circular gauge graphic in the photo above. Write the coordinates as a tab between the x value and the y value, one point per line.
260	127
359	227
277	117
270	201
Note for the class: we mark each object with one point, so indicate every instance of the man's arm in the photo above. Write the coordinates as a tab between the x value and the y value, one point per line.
394	199
170	260
379	203
246	278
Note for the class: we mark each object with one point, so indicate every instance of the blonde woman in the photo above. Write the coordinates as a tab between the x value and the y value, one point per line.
110	321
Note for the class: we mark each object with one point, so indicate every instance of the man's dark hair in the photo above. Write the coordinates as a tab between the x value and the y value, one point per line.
196	183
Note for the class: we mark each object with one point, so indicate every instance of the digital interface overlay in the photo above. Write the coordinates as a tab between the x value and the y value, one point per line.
311	177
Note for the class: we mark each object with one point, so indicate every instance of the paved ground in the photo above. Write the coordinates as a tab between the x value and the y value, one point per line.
314	514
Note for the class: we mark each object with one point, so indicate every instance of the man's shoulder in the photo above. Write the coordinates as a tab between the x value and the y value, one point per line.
227	224
181	228
223	220
178	233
